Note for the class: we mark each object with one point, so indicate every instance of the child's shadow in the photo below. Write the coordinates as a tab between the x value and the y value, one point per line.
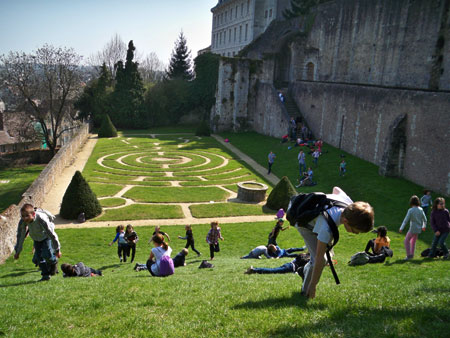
109	267
194	262
19	284
18	274
410	261
296	300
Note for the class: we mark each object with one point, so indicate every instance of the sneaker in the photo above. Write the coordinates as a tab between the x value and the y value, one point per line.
44	279
199	254
249	271
136	267
407	258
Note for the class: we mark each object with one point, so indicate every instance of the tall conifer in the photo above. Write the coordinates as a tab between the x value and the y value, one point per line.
180	61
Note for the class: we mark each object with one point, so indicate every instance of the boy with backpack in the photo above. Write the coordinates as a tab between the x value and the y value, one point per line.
40	225
316	217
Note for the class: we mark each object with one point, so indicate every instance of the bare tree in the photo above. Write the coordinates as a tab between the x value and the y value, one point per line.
114	51
46	81
151	68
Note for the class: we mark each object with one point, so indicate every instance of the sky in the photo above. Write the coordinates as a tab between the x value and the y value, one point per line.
87	25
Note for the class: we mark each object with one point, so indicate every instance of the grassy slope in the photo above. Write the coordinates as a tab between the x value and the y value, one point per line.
19	181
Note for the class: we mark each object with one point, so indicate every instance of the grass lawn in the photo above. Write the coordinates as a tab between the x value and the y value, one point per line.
141	211
19	181
228	209
112	202
395	299
176	194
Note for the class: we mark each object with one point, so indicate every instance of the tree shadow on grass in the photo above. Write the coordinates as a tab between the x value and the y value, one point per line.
296	300
19	284
361	321
20	273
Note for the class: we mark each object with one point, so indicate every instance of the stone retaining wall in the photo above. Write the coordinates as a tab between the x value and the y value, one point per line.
36	193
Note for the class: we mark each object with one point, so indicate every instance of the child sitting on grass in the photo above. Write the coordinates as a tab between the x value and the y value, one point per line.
161	249
179	259
45	240
378	243
213	237
79	270
417	223
122	246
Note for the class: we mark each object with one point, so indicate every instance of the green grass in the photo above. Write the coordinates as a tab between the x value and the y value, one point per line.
228	209
395	299
102	190
19	181
112	202
141	211
176	194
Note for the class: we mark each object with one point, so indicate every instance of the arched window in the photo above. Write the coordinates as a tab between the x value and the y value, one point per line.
310	71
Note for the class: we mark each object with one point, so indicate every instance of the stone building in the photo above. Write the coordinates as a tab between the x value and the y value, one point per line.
371	77
236	23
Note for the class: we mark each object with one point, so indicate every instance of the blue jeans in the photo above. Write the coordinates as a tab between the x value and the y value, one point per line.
285	268
302	168
289	252
439	240
45	256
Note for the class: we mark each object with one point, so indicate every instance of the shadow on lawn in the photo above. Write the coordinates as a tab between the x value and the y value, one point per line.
418	261
296	300
354	321
109	267
19	284
18	274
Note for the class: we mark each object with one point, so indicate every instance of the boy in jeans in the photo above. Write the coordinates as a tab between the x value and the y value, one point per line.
46	242
356	217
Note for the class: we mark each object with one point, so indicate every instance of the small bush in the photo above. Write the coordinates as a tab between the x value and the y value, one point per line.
79	198
281	194
203	129
107	129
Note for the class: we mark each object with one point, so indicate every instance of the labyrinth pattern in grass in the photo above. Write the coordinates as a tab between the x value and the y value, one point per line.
162	176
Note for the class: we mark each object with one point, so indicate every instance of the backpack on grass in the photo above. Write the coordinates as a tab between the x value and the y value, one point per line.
303	208
359	258
166	266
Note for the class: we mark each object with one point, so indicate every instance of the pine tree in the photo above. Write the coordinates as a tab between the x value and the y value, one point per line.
281	195
128	95
79	198
180	61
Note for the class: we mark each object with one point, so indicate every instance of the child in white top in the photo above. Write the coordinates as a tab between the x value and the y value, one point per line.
161	249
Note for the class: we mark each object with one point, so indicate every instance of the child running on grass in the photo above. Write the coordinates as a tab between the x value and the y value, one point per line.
275	231
122	246
131	237
190	239
440	222
158	231
417	223
45	240
213	237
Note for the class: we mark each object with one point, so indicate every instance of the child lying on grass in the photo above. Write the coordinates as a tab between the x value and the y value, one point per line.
79	270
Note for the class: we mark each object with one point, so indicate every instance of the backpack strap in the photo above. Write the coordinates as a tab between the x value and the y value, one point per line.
335	232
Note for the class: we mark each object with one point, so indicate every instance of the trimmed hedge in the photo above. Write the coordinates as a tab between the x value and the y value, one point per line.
281	194
107	129
79	198
203	129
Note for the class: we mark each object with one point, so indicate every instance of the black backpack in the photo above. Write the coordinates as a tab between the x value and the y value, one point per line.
303	208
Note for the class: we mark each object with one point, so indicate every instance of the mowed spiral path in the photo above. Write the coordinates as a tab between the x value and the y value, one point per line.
165	179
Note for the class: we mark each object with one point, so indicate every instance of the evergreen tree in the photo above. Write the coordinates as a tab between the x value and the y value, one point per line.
128	95
79	198
94	100
180	61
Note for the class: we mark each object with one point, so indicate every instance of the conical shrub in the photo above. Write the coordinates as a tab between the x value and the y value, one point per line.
79	198
281	195
107	129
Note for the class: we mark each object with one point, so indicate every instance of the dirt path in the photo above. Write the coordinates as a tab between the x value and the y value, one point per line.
54	197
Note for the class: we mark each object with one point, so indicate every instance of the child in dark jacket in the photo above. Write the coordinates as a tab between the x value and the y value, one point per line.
179	259
131	237
440	223
190	239
79	270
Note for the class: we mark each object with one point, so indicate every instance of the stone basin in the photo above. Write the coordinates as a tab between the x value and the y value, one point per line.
252	191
